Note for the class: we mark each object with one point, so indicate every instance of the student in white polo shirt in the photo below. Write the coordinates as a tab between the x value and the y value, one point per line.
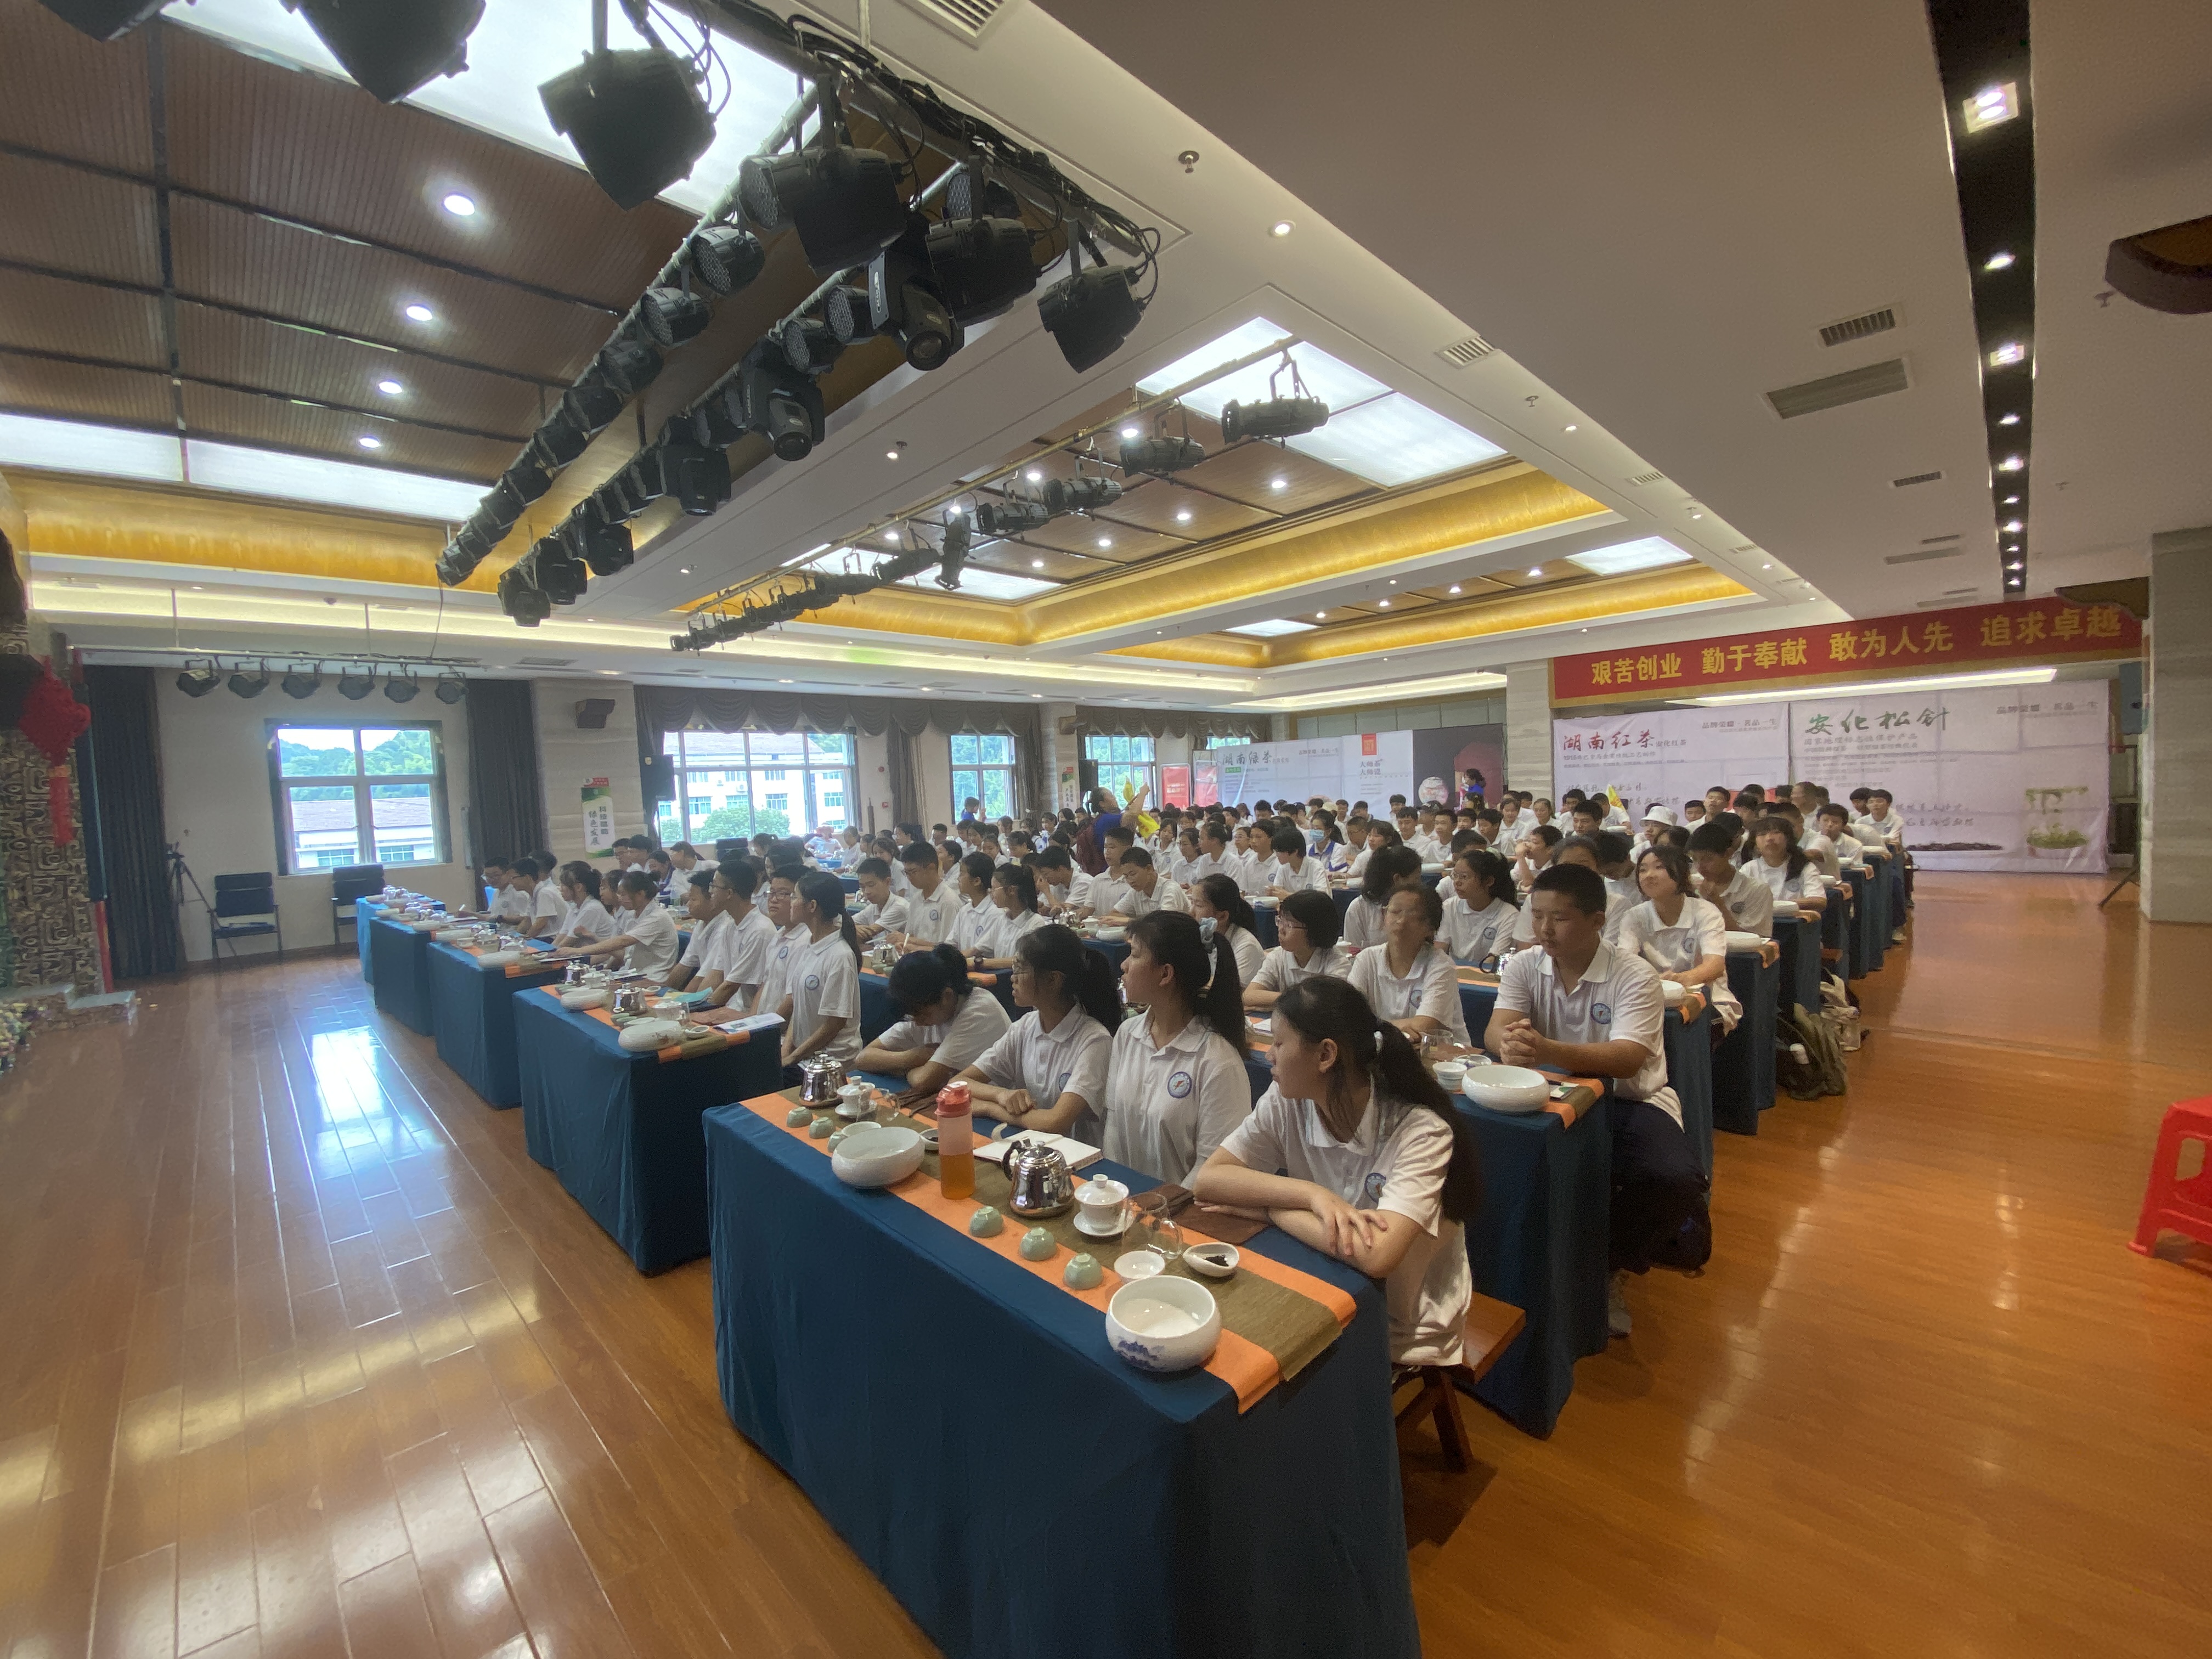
1136	888
547	908
1376	1168
647	940
880	910
791	936
1306	947
587	920
1743	898
948	1022
1176	1084
1581	1007
1479	916
1048	1071
1014	911
821	998
509	902
738	963
977	918
1215	856
1788	871
931	905
1409	979
1294	869
1385	871
1835	826
708	924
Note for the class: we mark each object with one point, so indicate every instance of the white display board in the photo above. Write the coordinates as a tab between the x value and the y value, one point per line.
1998	778
1671	754
1370	766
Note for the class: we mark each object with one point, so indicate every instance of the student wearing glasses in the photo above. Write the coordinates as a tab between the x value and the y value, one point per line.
1408	979
1306	947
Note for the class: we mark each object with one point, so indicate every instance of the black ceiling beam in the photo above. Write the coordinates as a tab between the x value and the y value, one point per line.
162	184
1982	50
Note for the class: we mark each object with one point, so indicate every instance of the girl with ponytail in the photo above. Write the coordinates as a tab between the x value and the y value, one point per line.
1176	1082
1219	900
821	1004
1048	1071
1380	1172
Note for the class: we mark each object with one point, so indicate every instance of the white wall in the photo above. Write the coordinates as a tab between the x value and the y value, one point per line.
1529	726
221	813
567	758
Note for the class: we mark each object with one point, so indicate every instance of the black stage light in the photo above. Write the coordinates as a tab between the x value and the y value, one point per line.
593	405
982	266
846	308
198	681
952	557
502	506
517	597
241	686
475	538
401	688
303	684
629	366
1011	516
393	47
719	419
1087	493
519	485
557	443
809	346
605	548
555	572
1089	313
727	257
843	201
1161	455
673	315
104	20
637	119
971	195
784	406
354	687
454	567
903	301
698	478
1275	417
451	687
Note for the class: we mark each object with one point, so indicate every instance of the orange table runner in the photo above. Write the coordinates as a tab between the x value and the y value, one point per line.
514	970
709	1039
1248	1368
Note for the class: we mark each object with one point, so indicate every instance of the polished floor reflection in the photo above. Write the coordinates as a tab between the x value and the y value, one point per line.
302	1354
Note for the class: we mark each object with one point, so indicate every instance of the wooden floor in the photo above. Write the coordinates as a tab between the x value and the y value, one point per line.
301	1353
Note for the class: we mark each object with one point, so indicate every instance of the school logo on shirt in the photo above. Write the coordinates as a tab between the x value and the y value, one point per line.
1179	1084
1061	1087
814	981
1375	1182
1601	1012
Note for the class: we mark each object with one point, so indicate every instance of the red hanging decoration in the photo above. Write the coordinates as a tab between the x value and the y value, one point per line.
53	720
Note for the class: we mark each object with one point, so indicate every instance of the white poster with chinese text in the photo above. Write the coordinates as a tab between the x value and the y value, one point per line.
1996	778
1671	754
1369	765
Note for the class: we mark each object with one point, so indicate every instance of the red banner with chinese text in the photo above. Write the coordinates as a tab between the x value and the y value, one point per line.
2051	630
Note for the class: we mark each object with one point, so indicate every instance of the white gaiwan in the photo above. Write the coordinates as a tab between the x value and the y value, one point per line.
1164	1324
1506	1088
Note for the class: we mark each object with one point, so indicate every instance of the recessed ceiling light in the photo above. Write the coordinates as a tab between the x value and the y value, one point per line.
460	206
1319	616
1280	227
1997	261
2007	420
783	682
1766	567
683	569
421	313
1037	694
1535	570
1105	541
368	442
1572	427
2010	352
1393	582
2012	500
1034	475
389	388
1182	515
2011	464
1159	630
1454	588
1279	483
891	454
1385	604
1697	515
2013	527
1992	105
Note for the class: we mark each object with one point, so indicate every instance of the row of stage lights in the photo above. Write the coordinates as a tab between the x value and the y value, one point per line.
400	685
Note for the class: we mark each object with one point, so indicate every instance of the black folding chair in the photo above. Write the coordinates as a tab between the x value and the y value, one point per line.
244	908
349	882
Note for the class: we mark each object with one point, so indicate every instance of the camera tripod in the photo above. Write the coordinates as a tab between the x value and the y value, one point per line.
179	873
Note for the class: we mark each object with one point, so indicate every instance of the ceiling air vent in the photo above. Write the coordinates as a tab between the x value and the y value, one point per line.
1834	390
1923	553
971	20
1910	479
1472	349
1649	478
545	662
1858	328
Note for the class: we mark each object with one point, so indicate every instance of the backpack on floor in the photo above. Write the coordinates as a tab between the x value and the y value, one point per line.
1823	1071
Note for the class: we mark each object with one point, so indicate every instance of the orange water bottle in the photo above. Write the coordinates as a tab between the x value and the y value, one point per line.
956	1141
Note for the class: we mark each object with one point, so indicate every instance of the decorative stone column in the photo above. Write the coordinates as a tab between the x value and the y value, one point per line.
2177	788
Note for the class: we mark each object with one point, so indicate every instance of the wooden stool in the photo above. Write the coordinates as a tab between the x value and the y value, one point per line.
1490	1328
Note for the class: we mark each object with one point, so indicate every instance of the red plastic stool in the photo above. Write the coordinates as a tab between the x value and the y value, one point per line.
2182	1205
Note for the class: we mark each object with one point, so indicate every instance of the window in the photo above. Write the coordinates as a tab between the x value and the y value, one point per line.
740	784
1125	765
983	769
357	795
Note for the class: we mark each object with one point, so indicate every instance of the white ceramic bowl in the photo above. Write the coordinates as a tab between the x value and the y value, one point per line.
455	936
876	1155
1164	1324
1507	1088
1211	1261
584	999
1675	992
1786	909
1111	934
1741	942
640	1035
498	958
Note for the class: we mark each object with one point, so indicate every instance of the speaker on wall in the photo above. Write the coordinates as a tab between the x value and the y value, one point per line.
592	714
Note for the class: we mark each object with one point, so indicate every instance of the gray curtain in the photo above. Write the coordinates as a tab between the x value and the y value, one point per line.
126	759
1195	724
507	809
905	777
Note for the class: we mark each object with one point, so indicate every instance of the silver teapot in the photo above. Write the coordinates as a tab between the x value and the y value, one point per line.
630	999
819	1079
1043	1184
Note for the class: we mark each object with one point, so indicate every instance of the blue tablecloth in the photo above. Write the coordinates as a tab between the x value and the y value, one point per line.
1541	1242
365	911
1263	926
1874	906
1743	1066
621	1128
473	1008
962	1425
400	958
1801	961
1690	1074
1838	923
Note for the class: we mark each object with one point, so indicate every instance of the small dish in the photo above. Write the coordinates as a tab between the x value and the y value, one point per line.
1140	1264
1112	1229
1212	1261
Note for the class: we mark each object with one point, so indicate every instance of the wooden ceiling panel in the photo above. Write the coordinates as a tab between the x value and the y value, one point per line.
319	148
71	220
70	95
1153	504
1043	563
1083	536
1247	473
48	314
223	346
236	258
118	397
211	412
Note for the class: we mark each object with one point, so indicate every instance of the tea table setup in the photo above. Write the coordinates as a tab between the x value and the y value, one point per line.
1742	1068
474	981
399	960
1800	943
1049	1423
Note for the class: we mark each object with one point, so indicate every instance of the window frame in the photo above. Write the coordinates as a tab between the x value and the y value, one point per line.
737	776
363	783
982	771
1110	773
